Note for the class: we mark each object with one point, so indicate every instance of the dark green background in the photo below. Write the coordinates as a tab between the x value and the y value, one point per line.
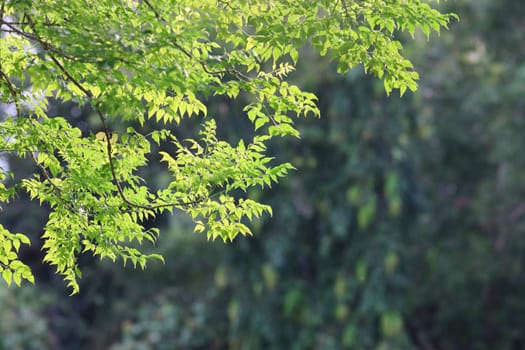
403	226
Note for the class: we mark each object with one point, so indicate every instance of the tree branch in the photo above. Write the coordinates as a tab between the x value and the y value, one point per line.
57	189
12	91
190	56
105	129
45	45
109	147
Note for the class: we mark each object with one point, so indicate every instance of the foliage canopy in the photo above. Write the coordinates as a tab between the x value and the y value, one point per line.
134	62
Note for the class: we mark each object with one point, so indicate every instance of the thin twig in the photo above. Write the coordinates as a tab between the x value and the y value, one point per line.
57	189
12	91
157	15
105	130
10	86
109	147
47	176
189	54
45	45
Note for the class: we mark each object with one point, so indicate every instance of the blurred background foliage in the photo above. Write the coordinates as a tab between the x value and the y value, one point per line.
403	227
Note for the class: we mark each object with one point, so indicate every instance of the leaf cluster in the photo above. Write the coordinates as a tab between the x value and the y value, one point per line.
137	62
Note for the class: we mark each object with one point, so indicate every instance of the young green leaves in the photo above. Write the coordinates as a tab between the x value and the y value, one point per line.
152	64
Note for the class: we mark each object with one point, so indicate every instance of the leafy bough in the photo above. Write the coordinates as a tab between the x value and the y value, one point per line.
136	61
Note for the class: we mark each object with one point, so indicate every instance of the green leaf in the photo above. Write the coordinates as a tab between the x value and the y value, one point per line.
6	275
17	276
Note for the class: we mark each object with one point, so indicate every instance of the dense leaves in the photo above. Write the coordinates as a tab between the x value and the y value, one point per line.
402	227
133	62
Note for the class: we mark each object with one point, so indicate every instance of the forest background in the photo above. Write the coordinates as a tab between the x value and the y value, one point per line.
403	227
